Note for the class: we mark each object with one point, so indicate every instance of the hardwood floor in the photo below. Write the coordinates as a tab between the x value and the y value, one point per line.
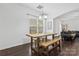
22	50
69	49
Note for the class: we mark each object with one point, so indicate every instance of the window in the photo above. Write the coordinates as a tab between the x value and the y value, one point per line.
36	26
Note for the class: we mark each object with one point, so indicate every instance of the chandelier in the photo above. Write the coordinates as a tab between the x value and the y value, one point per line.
42	15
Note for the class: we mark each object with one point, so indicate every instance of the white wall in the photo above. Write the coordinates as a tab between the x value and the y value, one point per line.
14	24
73	24
71	19
57	26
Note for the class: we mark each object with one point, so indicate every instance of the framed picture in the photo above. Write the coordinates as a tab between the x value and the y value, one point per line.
49	25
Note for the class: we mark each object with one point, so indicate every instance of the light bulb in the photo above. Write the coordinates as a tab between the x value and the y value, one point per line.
45	16
40	17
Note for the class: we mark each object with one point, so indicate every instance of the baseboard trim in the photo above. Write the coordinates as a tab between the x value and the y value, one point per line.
12	50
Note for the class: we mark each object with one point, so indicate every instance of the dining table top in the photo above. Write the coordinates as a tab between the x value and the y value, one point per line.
40	34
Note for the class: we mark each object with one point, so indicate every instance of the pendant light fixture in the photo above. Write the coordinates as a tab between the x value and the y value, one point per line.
42	13
42	16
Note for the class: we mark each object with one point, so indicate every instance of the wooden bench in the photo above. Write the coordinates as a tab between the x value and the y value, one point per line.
50	42
54	43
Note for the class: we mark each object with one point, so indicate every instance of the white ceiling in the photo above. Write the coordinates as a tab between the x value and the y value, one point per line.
54	9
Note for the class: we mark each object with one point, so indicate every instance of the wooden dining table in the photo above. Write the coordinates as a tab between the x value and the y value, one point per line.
37	36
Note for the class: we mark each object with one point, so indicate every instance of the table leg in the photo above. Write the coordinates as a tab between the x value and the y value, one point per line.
31	45
38	40
60	45
52	36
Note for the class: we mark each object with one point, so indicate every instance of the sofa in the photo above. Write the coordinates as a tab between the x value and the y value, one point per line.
77	33
68	35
